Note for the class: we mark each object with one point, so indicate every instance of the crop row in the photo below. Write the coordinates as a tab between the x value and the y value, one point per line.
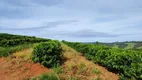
8	40
127	63
15	42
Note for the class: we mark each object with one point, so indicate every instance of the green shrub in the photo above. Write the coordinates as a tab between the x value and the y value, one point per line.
48	53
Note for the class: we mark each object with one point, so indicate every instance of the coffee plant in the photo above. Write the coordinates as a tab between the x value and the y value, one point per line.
48	53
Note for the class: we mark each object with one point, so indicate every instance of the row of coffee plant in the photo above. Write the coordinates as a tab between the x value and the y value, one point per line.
49	54
7	40
127	63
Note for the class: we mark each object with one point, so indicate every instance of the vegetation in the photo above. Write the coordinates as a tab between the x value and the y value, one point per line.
12	43
137	45
125	58
96	71
124	45
126	62
58	70
48	53
6	51
7	40
48	76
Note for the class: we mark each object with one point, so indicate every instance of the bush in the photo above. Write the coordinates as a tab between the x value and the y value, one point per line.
48	53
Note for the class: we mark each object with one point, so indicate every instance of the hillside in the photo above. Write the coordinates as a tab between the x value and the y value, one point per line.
123	45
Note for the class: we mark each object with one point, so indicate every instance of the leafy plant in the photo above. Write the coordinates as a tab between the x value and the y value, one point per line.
48	54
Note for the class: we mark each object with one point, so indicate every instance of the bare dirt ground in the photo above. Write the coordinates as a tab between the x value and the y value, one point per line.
16	67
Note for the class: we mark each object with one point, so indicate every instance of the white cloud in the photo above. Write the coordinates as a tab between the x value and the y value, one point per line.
102	16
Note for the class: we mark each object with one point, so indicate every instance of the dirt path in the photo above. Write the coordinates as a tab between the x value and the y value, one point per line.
83	69
18	67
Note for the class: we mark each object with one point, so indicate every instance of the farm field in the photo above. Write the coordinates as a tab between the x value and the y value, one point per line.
48	59
75	67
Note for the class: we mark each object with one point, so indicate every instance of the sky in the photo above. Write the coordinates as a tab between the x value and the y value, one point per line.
73	20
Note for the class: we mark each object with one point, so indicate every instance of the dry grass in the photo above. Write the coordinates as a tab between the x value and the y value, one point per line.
24	54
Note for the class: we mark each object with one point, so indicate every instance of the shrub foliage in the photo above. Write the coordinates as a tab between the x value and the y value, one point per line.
48	53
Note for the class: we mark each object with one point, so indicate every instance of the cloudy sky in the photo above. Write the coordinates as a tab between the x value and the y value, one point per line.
73	20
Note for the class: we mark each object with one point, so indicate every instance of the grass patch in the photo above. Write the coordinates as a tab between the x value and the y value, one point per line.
81	65
98	78
130	46
72	78
58	70
25	54
96	71
6	51
49	76
26	69
81	68
70	66
115	46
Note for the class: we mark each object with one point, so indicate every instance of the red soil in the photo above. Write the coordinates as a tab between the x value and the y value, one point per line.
17	69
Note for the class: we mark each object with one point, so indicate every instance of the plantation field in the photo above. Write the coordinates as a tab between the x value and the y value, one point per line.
75	67
31	58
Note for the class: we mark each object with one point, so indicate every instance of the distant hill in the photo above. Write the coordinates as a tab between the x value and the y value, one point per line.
122	45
